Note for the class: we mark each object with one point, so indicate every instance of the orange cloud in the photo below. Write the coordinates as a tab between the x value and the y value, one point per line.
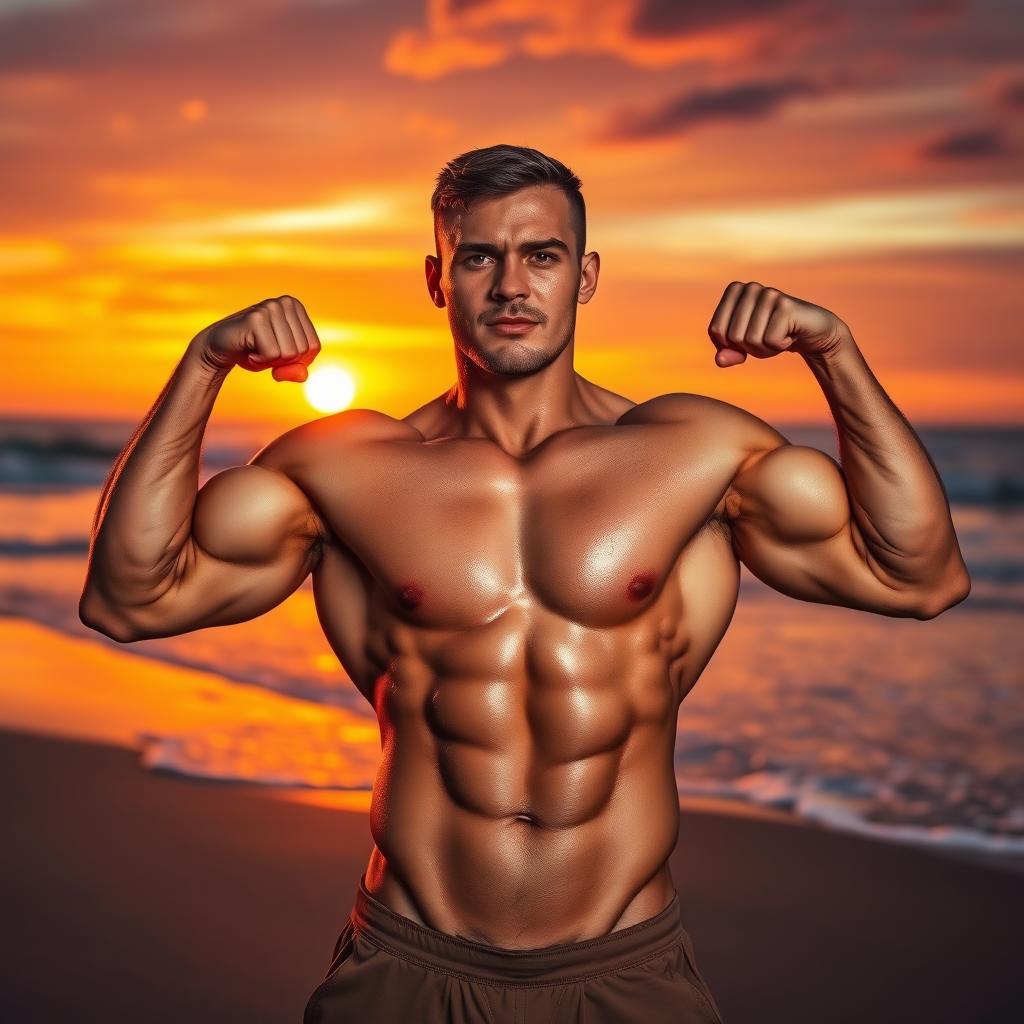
476	34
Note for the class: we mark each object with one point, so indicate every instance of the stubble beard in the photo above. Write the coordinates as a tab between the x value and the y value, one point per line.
519	359
515	358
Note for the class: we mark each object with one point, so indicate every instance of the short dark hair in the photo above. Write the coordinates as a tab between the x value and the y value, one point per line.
500	170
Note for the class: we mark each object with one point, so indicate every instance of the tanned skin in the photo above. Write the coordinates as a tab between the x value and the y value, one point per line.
526	575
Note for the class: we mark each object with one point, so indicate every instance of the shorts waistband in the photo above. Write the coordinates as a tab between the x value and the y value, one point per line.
543	965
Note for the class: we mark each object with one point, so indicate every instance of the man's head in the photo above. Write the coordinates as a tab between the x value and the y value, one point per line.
492	210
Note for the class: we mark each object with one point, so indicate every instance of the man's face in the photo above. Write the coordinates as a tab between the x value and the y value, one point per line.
511	256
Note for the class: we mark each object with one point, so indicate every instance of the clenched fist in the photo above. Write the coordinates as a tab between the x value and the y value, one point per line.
762	322
275	333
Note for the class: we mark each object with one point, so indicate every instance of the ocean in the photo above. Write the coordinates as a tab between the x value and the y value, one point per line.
898	729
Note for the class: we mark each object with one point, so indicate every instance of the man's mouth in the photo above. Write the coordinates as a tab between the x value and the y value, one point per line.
512	324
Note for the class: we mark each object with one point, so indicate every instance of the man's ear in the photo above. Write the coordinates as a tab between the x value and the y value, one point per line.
590	267
432	268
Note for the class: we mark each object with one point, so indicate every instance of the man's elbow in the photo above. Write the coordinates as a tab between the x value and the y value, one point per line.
92	614
938	601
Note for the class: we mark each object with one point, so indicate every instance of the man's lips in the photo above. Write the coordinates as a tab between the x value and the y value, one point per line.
512	325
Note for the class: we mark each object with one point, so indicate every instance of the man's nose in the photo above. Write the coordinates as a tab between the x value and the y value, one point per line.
510	281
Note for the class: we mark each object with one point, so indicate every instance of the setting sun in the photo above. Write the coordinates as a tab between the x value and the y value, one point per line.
329	388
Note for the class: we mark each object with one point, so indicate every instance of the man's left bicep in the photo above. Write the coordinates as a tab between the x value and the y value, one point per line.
793	527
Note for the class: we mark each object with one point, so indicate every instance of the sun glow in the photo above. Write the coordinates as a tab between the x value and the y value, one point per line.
329	388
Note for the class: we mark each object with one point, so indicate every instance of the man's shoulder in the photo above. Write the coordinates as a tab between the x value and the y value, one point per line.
704	411
325	437
718	428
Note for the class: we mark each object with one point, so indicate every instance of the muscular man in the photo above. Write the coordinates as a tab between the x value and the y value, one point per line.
524	577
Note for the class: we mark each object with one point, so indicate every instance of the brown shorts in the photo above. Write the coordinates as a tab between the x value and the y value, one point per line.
387	968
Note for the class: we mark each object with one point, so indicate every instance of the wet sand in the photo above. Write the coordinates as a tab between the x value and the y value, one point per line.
134	895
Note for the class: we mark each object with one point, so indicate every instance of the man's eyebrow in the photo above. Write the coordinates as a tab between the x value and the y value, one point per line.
493	250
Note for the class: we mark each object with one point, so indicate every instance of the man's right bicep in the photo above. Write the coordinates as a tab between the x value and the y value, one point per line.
254	538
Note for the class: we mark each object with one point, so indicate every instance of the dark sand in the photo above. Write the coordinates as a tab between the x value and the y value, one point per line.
133	896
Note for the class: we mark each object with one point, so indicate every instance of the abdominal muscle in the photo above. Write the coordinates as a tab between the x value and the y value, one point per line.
525	816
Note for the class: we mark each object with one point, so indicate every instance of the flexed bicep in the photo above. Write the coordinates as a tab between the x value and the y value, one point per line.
253	540
793	527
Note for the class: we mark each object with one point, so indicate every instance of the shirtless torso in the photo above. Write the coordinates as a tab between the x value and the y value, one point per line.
525	628
525	576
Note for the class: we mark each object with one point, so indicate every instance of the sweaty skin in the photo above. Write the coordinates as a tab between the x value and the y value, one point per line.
525	629
524	577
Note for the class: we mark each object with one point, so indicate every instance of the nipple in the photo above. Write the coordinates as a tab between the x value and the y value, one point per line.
410	596
641	586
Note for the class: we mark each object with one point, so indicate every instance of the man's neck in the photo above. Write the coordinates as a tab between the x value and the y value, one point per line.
518	413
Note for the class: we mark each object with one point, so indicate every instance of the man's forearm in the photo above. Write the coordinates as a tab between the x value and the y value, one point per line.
145	510
895	491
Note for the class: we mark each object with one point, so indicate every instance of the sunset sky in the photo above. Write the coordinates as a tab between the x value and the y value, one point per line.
165	164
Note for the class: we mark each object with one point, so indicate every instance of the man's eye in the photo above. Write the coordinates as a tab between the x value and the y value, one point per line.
547	258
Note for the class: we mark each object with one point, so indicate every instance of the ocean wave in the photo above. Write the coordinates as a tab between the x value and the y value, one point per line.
325	759
258	662
24	547
31	465
817	800
927	748
320	756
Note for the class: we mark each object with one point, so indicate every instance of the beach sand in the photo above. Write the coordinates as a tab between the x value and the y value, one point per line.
133	895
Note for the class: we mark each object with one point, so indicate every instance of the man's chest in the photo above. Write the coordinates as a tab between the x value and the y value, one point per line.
590	526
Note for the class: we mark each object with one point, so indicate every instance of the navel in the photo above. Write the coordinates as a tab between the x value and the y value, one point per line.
410	596
641	586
